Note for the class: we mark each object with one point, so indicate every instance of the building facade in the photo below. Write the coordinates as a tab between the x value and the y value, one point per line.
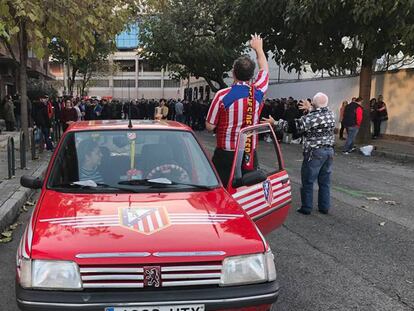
133	77
38	69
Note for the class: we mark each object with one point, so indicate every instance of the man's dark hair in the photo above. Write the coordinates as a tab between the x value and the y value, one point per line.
243	68
359	99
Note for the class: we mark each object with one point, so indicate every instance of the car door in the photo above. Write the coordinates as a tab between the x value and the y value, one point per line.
263	191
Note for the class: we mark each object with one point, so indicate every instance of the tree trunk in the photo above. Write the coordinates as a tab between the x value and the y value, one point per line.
23	80
365	77
213	88
219	80
83	85
72	80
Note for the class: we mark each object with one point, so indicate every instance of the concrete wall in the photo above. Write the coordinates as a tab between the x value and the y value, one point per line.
133	93
396	87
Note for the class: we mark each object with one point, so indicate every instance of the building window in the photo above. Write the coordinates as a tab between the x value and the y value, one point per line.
145	66
207	92
171	83
149	83
128	39
125	65
195	93
201	92
99	83
124	83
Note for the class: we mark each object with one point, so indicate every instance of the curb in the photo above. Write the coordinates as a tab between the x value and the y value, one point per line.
394	155
9	210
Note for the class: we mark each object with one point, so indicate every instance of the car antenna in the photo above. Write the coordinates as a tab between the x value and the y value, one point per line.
129	116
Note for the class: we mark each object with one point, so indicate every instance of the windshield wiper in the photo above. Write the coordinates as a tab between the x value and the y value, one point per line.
162	182
99	186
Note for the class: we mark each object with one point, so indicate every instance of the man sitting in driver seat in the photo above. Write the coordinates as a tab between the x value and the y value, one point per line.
89	159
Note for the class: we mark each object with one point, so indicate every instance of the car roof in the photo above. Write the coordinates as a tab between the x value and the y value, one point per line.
96	125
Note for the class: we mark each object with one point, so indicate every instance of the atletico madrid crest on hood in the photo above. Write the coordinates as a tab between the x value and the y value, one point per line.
144	220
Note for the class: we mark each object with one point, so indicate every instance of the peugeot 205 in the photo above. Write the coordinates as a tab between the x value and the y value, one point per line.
133	217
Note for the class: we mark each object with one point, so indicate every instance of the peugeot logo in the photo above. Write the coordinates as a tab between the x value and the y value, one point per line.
152	276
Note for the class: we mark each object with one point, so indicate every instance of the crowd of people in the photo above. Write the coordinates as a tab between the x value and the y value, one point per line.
66	110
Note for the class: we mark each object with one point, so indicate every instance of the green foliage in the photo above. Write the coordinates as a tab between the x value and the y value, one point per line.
331	33
192	36
85	65
75	22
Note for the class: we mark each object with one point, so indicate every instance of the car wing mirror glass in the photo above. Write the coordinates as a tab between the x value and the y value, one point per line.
31	182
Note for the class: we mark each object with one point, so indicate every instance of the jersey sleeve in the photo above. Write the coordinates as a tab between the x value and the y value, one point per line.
262	81
212	116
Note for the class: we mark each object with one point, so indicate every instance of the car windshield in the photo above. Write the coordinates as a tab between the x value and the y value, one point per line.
133	160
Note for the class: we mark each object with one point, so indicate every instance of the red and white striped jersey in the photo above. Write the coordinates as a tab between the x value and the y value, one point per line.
228	110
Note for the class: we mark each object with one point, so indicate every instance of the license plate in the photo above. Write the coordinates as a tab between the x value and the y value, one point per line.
159	308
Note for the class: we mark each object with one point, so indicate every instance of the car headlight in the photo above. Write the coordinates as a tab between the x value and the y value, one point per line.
48	274
248	269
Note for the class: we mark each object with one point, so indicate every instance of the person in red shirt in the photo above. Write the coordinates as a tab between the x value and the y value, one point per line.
352	120
237	106
68	115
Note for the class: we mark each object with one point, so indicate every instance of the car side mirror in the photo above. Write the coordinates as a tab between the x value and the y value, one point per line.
31	182
253	178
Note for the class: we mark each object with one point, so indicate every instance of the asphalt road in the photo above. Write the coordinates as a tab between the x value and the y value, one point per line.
347	260
360	257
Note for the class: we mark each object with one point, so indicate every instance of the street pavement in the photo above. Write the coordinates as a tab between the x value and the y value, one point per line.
360	257
12	195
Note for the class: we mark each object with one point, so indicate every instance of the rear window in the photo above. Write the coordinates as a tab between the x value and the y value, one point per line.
113	158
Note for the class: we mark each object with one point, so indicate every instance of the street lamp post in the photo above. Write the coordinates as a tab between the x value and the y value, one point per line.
129	95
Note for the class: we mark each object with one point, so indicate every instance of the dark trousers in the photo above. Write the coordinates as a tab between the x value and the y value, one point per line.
223	161
10	126
341	131
377	127
46	137
317	166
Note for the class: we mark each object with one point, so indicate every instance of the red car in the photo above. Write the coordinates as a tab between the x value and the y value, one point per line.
134	218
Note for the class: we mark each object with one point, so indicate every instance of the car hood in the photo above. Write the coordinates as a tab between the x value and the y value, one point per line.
156	227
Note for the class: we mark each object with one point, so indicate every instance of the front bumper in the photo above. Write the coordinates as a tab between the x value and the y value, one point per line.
212	298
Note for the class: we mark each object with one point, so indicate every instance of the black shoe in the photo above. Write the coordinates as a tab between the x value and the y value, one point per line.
324	211
302	211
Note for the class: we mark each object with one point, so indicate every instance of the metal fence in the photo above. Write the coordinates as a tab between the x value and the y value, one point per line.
36	146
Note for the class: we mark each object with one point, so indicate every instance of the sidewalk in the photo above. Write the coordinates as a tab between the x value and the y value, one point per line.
394	149
12	195
388	148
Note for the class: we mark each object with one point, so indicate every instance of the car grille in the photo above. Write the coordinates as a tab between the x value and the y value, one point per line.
132	276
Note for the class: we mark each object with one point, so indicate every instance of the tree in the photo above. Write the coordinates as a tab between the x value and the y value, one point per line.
33	23
191	37
337	34
86	65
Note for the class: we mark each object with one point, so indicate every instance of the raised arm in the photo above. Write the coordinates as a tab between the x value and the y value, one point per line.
256	44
